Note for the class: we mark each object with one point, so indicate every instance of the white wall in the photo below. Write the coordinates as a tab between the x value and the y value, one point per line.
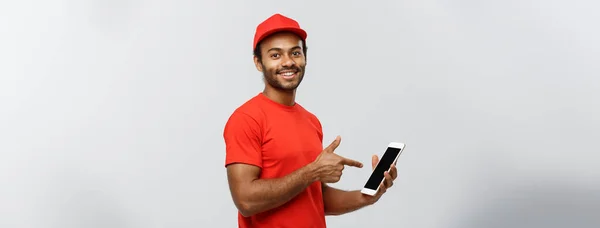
112	111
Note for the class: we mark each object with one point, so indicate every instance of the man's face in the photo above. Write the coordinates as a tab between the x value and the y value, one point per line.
283	61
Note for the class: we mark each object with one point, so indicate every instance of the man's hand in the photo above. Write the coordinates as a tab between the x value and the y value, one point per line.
387	183
328	166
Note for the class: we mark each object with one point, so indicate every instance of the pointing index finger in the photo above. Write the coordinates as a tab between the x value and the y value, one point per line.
350	162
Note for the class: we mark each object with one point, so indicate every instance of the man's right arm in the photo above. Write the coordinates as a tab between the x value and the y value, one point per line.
252	195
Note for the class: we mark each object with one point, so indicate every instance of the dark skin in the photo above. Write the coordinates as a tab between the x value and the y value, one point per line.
281	52
339	202
282	64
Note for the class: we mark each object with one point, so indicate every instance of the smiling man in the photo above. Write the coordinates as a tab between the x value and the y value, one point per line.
277	168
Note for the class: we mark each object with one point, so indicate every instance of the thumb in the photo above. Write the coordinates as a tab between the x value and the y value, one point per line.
333	144
374	161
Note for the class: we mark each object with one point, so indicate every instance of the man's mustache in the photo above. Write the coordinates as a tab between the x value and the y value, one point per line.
289	68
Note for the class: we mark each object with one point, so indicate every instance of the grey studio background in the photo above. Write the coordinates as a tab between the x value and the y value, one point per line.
112	111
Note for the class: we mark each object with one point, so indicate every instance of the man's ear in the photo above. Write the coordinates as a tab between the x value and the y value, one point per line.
258	64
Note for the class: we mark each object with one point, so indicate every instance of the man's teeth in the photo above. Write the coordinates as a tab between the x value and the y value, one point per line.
288	73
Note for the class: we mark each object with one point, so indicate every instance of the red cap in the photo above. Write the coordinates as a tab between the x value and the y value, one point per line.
277	23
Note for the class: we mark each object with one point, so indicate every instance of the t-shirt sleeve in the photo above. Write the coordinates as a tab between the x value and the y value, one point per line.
319	128
242	136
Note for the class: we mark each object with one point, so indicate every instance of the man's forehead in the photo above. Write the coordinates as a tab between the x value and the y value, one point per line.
282	41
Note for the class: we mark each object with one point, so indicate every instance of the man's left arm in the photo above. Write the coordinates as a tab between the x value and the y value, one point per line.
338	202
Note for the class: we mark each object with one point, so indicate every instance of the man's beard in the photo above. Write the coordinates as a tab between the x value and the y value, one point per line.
271	78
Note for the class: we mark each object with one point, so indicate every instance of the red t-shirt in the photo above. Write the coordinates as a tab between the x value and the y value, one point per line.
279	139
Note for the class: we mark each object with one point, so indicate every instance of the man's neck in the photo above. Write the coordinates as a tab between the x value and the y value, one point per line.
282	97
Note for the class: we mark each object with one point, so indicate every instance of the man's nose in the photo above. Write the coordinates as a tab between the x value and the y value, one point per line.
287	61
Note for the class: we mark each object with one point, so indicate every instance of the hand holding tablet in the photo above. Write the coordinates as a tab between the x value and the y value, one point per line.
377	178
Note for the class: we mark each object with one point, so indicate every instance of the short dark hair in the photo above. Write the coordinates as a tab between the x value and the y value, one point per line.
258	53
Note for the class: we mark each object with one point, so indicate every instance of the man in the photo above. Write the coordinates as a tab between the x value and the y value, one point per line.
276	165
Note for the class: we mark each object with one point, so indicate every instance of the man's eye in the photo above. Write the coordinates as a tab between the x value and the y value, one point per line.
275	55
297	53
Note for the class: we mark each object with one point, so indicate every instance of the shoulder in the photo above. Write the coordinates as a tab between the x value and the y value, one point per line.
311	116
243	135
249	114
314	121
252	108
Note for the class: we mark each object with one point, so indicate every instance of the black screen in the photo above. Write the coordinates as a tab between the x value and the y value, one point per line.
384	164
